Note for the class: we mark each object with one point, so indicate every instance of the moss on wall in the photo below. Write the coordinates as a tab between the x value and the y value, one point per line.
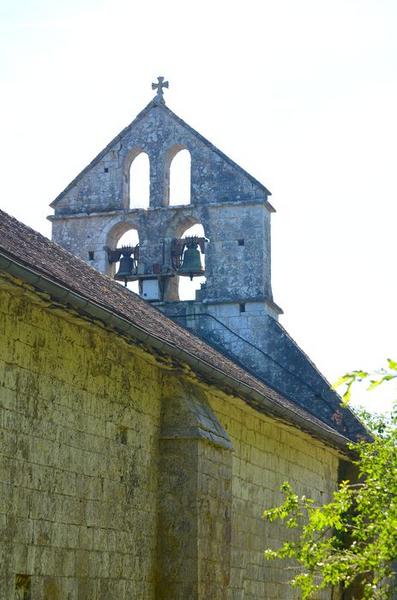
79	448
106	455
267	453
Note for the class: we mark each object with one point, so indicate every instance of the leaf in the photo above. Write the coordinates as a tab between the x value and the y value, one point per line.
392	364
374	384
342	380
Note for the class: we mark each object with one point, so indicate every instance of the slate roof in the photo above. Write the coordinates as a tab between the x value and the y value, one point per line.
33	253
143	113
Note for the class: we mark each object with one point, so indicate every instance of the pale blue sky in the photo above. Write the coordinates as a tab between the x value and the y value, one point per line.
302	94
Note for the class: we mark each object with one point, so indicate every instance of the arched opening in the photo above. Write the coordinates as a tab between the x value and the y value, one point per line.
187	289
129	238
180	178
139	180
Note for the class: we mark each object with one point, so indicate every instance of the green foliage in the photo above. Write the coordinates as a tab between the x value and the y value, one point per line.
353	538
375	379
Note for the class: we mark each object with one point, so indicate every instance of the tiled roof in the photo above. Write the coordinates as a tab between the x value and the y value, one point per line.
34	252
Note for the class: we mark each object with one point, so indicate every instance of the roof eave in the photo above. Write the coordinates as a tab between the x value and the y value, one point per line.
94	310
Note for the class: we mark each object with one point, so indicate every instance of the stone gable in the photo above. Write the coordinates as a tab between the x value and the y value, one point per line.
157	131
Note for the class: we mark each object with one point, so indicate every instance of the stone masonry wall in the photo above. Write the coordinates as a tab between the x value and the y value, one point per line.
233	272
78	458
265	454
84	513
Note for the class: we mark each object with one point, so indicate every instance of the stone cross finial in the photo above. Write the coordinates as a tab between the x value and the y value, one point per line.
159	87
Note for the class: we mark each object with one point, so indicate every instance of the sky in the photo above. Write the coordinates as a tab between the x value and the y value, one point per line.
302	95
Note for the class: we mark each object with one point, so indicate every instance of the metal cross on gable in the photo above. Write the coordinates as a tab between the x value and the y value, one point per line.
159	87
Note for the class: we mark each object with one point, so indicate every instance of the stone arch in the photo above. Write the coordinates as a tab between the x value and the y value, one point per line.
179	287
178	176
181	221
187	289
136	183
125	233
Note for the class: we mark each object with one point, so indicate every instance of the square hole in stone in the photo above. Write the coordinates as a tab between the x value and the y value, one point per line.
240	242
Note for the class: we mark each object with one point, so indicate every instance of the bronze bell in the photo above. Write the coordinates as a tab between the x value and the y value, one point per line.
191	265
126	270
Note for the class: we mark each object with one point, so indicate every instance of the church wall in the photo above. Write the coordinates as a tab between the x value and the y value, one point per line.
78	457
265	454
84	512
80	236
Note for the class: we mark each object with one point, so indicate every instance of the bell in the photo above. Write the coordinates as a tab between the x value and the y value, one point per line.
191	265
126	270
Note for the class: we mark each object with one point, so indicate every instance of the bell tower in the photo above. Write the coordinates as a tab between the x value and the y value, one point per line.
232	207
